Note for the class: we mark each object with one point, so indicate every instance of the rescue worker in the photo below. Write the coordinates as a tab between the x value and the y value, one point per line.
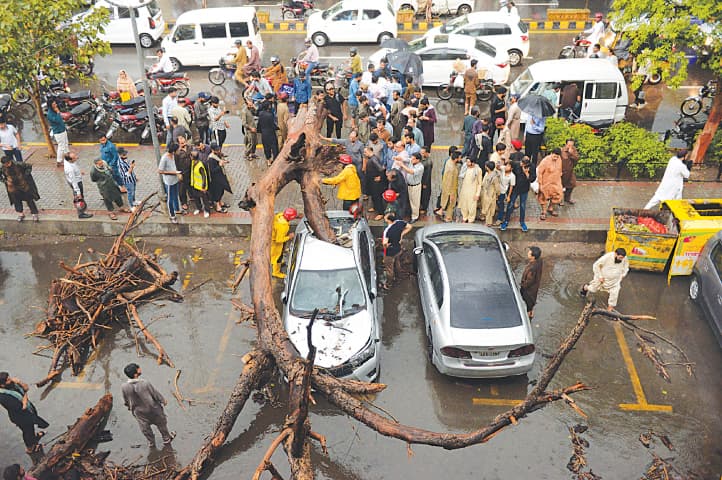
349	185
199	182
279	237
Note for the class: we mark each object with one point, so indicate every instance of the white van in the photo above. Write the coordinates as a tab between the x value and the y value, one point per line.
604	92
201	37
119	30
353	21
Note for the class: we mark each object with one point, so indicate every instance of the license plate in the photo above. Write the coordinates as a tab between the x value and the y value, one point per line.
488	354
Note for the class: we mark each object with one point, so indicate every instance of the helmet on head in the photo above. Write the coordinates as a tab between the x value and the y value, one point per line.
275	60
345	158
598	16
290	213
238	41
499	121
390	195
307	41
355	209
353	51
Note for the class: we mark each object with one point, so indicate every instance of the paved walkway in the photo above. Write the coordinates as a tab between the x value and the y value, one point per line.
594	199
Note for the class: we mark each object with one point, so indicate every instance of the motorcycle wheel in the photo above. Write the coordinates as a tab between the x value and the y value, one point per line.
144	135
691	107
444	92
183	88
21	95
86	68
289	15
216	76
485	93
654	78
567	52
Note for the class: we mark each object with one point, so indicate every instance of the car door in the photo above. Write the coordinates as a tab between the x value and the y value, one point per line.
436	66
371	23
187	44
434	287
712	286
216	42
343	27
599	101
112	32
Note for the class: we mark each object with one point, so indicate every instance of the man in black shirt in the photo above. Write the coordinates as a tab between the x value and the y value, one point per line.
525	176
334	105
391	241
14	397
498	108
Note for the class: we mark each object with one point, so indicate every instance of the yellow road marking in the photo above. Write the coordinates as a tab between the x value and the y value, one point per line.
222	346
91	359
641	404
186	280
197	255
158	251
494	390
497	402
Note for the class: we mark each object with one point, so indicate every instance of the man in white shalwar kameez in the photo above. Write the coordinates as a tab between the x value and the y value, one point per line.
670	188
470	176
609	270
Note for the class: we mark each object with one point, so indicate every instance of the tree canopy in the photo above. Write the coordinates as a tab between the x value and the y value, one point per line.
664	32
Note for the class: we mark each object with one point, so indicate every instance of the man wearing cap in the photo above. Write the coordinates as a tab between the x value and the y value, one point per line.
349	185
609	270
672	184
10	140
279	237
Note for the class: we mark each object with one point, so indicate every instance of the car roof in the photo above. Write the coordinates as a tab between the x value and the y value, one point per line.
502	17
217	14
320	255
592	68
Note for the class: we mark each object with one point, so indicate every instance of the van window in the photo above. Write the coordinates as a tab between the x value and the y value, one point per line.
213	30
523	27
603	91
522	82
124	12
238	29
495	29
184	32
370	14
153	8
346	16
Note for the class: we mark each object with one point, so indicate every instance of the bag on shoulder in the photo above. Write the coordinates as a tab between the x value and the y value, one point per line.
479	139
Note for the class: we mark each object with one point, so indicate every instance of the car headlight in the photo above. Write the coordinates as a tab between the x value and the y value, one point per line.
364	355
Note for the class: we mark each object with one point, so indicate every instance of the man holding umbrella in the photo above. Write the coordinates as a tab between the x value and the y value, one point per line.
538	108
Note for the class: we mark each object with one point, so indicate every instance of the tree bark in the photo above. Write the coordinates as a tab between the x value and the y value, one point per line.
254	375
710	128
35	94
74	440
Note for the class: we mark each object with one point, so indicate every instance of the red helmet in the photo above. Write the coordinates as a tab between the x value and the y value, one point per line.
290	213
355	209
390	195
345	158
499	121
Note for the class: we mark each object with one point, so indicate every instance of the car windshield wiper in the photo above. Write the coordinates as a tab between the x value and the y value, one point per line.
341	297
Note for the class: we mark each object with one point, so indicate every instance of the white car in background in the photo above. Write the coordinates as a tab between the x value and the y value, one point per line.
499	29
439	53
438	7
119	30
354	21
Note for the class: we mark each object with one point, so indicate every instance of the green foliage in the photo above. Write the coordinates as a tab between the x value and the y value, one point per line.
592	155
641	150
661	31
36	32
714	153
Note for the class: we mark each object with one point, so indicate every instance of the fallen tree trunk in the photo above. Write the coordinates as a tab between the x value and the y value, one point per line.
74	440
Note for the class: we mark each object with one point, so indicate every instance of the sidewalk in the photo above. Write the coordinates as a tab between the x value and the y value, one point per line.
586	221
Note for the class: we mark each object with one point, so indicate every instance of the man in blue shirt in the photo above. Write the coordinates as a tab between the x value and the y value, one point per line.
109	154
352	100
534	136
301	89
58	130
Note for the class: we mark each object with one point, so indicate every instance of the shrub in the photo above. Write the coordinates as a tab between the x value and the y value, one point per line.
642	151
592	150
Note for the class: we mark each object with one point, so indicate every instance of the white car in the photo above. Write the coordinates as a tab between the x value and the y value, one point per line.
354	21
438	7
340	281
119	30
439	53
499	29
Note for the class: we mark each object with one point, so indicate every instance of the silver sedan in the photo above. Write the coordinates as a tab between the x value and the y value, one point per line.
476	323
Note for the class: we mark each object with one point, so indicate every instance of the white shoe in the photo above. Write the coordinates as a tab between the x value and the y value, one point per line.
206	214
196	212
136	203
132	209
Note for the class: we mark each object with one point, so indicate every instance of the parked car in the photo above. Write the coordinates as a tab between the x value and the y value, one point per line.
438	7
119	30
475	321
339	280
705	287
498	29
355	21
439	53
201	37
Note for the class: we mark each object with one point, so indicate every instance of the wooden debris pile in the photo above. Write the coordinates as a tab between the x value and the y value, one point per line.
84	303
578	462
91	464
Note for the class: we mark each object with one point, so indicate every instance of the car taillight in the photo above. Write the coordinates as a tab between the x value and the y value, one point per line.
525	38
454	352
501	65
521	351
151	23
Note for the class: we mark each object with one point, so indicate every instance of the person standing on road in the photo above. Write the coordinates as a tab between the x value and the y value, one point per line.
471	84
427	122
301	89
414	174
672	184
282	117
524	175
169	103
58	131
490	188
267	128
609	270
334	106
22	413
109	154
428	165
219	180
376	175
471	184
183	163
513	119
74	177
468	129
10	140
449	186
507	184
570	157
109	189
534	137
549	176
250	130
349	185
199	182
498	109
170	173
146	404
531	279
129	179
391	242
279	237
20	186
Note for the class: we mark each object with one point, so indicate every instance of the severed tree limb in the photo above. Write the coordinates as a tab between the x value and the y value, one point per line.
266	461
313	206
299	395
162	355
239	278
256	370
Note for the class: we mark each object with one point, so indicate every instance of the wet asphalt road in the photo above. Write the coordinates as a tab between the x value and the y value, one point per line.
205	343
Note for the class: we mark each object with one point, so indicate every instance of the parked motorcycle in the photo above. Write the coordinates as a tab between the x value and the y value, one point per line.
81	117
578	48
691	106
110	108
159	128
456	87
685	128
179	80
322	73
5	101
22	95
224	70
296	10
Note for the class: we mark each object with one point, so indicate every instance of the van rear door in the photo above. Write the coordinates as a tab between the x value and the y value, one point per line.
599	100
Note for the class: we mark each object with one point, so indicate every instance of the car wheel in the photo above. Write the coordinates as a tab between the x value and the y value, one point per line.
463	9
319	39
146	41
694	288
175	63
384	36
515	57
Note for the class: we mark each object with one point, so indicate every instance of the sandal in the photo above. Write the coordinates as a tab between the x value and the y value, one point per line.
113	216
222	210
554	214
542	216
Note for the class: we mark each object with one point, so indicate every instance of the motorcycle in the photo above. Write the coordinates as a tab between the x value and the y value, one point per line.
322	73
296	10
109	108
691	106
22	95
685	128
159	127
81	116
224	70
179	81
578	48
456	86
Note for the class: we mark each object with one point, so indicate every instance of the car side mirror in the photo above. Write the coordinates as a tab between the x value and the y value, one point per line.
418	250
372	294
506	246
284	298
